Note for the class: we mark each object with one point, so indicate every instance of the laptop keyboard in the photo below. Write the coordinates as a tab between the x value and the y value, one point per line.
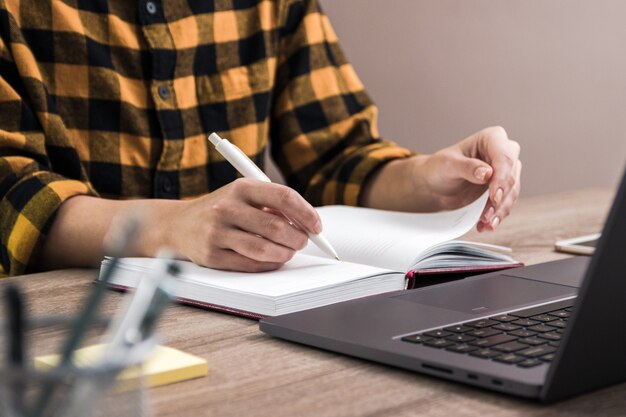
524	338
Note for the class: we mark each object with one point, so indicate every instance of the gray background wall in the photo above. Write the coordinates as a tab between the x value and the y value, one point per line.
552	72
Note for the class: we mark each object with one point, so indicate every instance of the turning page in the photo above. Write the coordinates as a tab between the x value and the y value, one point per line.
390	239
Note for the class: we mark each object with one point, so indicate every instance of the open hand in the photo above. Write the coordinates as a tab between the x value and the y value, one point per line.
457	175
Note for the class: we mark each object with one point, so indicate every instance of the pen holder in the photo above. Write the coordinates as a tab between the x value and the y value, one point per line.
71	390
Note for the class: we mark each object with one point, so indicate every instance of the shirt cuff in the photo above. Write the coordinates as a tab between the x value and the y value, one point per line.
346	184
28	209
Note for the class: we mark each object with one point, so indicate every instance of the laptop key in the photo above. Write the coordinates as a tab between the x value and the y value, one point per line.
510	347
552	336
462	348
522	333
529	363
460	338
489	331
479	324
507	327
485	353
561	314
554	344
459	328
493	340
508	358
437	333
438	343
559	324
416	338
560	305
525	322
533	341
548	358
504	318
541	328
537	351
544	318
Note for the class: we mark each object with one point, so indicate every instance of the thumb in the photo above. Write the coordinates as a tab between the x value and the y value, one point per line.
475	171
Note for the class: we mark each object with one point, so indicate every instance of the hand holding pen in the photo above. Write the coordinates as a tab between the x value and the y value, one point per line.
248	169
236	226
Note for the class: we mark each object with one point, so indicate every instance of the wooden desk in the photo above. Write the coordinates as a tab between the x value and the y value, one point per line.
252	374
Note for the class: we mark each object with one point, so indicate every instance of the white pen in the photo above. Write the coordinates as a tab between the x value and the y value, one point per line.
248	169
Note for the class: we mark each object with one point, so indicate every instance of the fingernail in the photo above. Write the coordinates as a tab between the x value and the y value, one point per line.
498	196
490	213
317	227
495	222
480	173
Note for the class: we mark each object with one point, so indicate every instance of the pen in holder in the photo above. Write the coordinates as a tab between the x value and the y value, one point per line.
69	389
78	391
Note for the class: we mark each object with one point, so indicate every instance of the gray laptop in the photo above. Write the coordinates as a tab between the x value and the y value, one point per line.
548	331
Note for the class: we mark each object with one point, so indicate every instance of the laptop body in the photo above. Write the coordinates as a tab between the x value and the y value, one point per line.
578	304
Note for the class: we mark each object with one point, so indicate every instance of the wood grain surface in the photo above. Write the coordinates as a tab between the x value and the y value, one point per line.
251	374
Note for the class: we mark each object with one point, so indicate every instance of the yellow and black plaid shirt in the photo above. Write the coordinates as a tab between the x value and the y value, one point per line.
115	98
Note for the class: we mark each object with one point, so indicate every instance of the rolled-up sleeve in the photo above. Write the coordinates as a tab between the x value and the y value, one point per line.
324	129
31	187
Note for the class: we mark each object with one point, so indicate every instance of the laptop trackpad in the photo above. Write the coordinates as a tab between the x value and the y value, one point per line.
487	294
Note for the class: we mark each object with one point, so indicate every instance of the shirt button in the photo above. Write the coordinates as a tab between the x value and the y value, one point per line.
167	185
163	92
151	7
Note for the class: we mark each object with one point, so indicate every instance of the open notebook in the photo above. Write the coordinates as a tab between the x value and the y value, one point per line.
380	251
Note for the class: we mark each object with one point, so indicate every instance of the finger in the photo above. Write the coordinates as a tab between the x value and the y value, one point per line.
507	203
281	198
255	247
487	213
481	226
500	214
473	170
230	260
503	155
484	223
272	226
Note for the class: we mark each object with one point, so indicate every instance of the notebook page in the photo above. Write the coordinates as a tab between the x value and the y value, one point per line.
301	274
391	239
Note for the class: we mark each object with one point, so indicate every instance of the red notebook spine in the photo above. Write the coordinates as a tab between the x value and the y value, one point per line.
412	275
410	279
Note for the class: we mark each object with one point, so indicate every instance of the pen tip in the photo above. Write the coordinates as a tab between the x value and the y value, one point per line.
337	258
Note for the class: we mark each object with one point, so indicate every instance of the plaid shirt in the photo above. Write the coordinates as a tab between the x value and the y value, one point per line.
115	98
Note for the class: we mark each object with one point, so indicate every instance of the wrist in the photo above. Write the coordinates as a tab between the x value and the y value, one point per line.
401	185
424	197
158	227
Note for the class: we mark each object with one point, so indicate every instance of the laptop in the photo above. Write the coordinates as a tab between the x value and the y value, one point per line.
548	331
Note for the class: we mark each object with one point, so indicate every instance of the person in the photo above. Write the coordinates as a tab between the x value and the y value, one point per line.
105	106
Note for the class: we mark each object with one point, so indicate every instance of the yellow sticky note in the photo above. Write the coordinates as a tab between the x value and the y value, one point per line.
165	365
